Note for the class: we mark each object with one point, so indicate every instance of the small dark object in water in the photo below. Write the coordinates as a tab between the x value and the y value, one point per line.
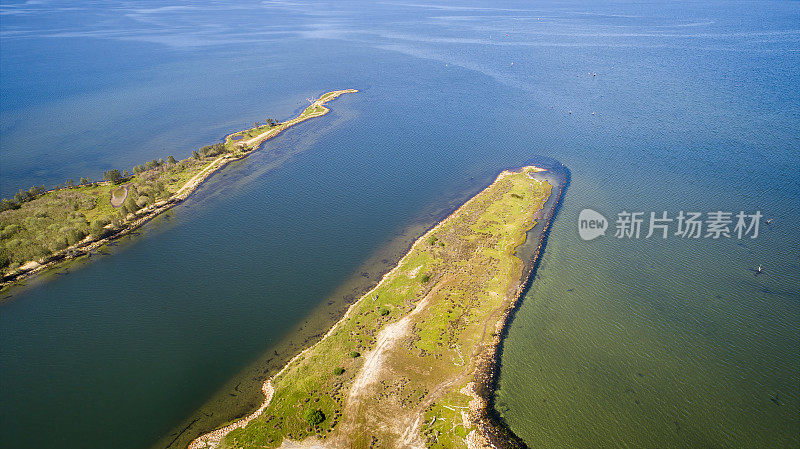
570	289
776	400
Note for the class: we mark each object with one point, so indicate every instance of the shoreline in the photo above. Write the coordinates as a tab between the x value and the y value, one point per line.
493	428
90	244
488	427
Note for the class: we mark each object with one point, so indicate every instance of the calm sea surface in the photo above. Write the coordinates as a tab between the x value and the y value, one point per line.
619	343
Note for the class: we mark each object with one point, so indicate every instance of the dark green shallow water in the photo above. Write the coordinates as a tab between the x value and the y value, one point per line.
618	343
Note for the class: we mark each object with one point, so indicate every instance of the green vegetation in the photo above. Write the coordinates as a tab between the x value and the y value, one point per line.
421	335
43	224
37	223
315	417
114	176
355	354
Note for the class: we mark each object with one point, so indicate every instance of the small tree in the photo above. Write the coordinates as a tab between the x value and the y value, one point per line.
130	203
112	175
22	196
315	417
195	154
338	371
84	181
6	204
171	160
98	229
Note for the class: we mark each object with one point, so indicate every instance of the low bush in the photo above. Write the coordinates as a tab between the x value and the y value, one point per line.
315	417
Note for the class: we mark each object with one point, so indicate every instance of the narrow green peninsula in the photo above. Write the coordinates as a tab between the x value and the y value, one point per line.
407	364
40	228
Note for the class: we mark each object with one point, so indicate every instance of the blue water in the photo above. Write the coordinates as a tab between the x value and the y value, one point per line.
618	343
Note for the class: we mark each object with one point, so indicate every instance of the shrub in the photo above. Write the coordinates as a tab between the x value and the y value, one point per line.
130	203
5	258
6	204
74	236
113	175
338	371
98	229
355	354
383	311
58	244
9	230
425	278
315	417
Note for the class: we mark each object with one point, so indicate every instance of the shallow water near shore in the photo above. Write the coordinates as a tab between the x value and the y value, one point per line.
639	343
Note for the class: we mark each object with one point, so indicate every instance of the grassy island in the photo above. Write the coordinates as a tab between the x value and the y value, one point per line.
403	367
40	227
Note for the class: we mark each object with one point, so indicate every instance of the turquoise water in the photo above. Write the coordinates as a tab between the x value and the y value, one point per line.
617	344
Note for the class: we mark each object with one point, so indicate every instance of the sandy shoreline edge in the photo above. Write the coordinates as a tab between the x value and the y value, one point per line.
492	431
90	245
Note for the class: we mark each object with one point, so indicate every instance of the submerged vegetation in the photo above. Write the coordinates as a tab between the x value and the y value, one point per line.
37	223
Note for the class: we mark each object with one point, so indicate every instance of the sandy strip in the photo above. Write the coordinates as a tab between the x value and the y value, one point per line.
148	213
212	439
